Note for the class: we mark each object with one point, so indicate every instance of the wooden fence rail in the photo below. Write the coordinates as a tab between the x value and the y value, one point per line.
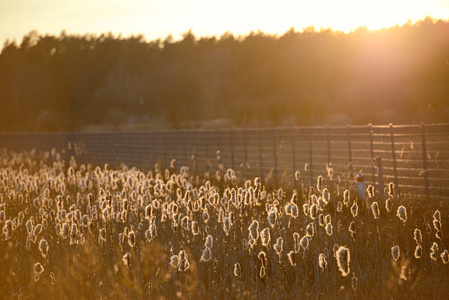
414	157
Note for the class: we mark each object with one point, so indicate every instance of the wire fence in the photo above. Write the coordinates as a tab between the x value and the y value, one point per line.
414	157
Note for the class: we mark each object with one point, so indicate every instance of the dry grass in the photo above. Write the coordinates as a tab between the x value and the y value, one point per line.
83	232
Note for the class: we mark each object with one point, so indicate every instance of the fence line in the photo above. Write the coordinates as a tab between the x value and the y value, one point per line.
414	157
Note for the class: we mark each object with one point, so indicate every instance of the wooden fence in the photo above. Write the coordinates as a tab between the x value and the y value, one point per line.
414	157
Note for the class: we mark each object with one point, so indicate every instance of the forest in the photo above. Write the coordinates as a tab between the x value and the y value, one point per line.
309	77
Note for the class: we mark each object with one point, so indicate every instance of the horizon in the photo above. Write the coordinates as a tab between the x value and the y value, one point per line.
157	20
181	35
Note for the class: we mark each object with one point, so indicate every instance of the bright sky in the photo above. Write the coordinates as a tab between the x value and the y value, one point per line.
158	18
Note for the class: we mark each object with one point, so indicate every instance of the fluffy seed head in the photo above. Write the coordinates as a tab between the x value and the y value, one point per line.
131	238
296	242
445	256
205	215
127	259
226	225
65	230
434	256
254	230
279	245
305	209
43	247
38	268
265	236
388	205
346	196
310	230
262	272
184	264
329	229
434	247
294	213
418	251
319	183
207	254
437	225
237	270
209	242
370	191
313	211
339	206
304	242
292	258
335	249
326	195
272	216
395	253
297	175
263	257
37	229
322	261
391	189
417	236
343	259
375	210
321	221
402	213
354	209
174	261
437	215
29	226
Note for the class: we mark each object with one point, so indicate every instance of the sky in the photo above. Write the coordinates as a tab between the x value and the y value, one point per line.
160	18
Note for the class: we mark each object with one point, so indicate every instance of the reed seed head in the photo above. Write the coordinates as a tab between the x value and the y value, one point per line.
265	236
418	251
354	209
395	253
402	213
339	206
343	259
445	256
292	258
417	236
43	247
322	261
237	270
388	205
375	210
207	254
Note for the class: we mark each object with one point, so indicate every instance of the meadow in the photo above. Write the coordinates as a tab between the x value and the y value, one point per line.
83	231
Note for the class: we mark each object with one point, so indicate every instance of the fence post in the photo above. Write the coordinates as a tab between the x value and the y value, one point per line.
380	176
328	145
276	178
396	187
293	156
370	127
244	132
206	137
310	157
260	155
424	160
185	152
218	138
231	136
350	176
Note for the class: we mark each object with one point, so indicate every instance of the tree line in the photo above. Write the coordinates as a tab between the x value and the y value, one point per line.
309	77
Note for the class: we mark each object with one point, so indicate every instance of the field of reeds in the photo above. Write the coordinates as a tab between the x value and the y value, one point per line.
81	231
